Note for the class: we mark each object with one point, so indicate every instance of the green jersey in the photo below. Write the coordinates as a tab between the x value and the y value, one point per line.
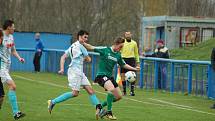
108	59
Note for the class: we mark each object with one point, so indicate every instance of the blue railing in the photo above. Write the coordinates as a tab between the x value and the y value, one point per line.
185	76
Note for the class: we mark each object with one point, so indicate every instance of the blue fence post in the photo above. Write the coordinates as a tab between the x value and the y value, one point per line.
93	67
172	78
141	82
156	75
196	79
209	90
189	79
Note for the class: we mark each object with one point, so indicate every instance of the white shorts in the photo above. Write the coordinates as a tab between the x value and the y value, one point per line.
5	76
76	80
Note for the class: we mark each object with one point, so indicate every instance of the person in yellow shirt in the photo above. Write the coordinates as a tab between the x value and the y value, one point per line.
130	55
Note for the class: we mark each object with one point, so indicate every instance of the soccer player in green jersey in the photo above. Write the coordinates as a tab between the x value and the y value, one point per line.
109	57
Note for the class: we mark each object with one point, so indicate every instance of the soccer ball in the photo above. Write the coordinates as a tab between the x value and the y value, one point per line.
130	76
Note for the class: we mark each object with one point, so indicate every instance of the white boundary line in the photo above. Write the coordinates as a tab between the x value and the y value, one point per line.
80	104
169	103
182	107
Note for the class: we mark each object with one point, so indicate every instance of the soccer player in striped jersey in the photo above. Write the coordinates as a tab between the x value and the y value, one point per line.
76	77
7	48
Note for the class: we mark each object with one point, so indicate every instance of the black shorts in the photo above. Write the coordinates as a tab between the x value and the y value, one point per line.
129	61
1	89
101	79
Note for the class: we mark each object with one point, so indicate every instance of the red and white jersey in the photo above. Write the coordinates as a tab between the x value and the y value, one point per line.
5	49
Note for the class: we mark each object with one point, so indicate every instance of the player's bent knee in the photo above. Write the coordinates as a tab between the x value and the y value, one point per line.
75	93
12	87
118	98
91	92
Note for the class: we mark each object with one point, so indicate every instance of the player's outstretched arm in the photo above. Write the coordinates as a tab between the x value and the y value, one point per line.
62	62
88	46
126	66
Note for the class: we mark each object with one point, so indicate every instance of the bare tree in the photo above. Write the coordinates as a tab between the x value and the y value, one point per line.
105	19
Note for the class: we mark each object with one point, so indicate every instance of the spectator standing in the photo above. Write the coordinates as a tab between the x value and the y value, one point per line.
38	52
161	52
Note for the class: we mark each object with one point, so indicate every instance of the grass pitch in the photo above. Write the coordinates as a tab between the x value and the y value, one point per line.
34	89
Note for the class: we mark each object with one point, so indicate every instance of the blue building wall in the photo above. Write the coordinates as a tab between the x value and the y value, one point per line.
50	40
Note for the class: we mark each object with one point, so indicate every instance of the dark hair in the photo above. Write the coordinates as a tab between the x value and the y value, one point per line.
119	40
82	32
7	23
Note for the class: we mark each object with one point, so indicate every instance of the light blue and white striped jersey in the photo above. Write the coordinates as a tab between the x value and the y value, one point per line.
77	52
5	50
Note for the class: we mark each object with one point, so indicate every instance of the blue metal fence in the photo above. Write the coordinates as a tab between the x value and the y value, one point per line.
186	76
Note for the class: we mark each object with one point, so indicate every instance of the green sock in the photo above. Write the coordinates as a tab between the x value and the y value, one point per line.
105	102
109	101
